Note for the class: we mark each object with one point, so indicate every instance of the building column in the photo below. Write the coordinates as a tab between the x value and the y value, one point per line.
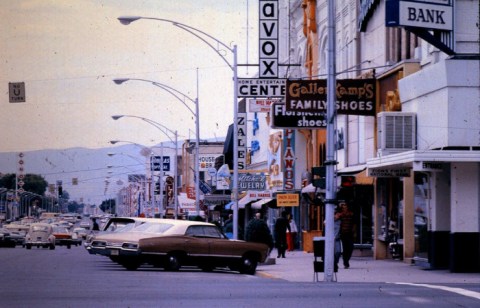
465	220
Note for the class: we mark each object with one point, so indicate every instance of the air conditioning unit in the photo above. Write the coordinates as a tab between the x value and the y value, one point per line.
396	132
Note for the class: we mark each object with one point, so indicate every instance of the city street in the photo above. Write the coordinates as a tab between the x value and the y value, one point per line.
73	278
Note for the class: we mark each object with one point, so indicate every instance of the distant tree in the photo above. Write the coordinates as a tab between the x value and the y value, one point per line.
34	183
108	206
75	207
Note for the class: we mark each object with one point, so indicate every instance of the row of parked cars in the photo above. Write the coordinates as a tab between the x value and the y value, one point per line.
171	244
46	233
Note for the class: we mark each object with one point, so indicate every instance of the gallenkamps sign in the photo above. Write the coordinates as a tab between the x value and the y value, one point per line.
353	96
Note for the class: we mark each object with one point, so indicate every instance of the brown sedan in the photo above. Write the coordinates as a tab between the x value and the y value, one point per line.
192	243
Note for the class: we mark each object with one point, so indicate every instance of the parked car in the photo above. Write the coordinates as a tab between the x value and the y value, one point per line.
40	234
64	237
5	238
81	233
114	224
177	243
17	232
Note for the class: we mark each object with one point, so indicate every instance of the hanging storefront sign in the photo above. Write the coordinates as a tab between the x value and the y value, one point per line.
353	96
389	172
252	182
289	159
261	88
206	161
268	38
155	163
288	200
274	161
281	118
425	166
260	105
436	14
242	140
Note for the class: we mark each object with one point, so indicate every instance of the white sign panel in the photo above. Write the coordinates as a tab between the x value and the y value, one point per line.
260	105
206	161
426	15
261	88
268	38
242	140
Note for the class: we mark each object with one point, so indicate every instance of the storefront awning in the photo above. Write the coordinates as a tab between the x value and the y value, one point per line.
407	158
258	204
351	170
312	189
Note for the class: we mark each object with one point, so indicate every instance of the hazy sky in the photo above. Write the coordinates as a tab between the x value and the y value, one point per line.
68	52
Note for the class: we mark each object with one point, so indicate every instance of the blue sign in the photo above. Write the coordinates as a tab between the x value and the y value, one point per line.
205	188
155	163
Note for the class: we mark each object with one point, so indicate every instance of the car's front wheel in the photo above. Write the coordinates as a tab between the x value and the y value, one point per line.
28	246
52	247
131	265
173	262
248	265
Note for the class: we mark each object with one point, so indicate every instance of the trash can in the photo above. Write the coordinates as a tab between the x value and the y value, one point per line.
318	256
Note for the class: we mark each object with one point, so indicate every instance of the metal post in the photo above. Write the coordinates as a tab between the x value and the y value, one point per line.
330	163
197	157
235	145
175	184
160	179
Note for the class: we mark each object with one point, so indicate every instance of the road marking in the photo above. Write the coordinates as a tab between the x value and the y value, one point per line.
460	291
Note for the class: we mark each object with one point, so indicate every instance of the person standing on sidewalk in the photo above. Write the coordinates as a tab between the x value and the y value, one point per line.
346	233
292	233
281	227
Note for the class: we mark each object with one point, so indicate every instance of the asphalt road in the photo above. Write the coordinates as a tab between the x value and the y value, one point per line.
73	278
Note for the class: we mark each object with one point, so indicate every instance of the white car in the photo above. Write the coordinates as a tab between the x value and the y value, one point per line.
40	234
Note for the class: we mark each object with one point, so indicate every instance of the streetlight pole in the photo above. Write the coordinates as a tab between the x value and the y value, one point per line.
178	95
164	130
205	37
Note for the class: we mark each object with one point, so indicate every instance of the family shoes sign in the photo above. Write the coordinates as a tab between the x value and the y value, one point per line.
353	96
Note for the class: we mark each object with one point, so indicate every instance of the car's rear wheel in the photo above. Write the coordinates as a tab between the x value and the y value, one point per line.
248	265
52	247
28	246
173	262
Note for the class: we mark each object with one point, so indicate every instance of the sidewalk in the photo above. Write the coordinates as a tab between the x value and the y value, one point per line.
298	267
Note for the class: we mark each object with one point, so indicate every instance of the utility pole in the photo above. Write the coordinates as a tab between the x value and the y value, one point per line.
330	163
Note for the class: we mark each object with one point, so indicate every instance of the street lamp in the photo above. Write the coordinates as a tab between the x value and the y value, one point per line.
160	179
207	38
164	130
178	95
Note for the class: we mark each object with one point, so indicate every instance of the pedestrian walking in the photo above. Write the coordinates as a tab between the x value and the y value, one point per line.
281	227
346	233
291	234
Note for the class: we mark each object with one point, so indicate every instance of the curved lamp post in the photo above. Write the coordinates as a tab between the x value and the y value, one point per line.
210	40
163	129
178	95
150	152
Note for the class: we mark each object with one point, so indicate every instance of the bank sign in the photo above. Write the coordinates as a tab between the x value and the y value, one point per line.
431	14
353	96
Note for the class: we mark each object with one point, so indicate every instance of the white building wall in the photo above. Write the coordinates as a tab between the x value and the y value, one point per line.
465	197
439	202
447	106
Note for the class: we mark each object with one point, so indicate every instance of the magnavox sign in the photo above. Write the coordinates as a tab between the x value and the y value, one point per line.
354	96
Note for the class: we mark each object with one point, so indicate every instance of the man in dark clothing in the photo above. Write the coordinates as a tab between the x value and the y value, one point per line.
346	233
281	226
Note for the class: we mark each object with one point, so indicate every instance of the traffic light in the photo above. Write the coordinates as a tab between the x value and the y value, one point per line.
319	177
60	190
